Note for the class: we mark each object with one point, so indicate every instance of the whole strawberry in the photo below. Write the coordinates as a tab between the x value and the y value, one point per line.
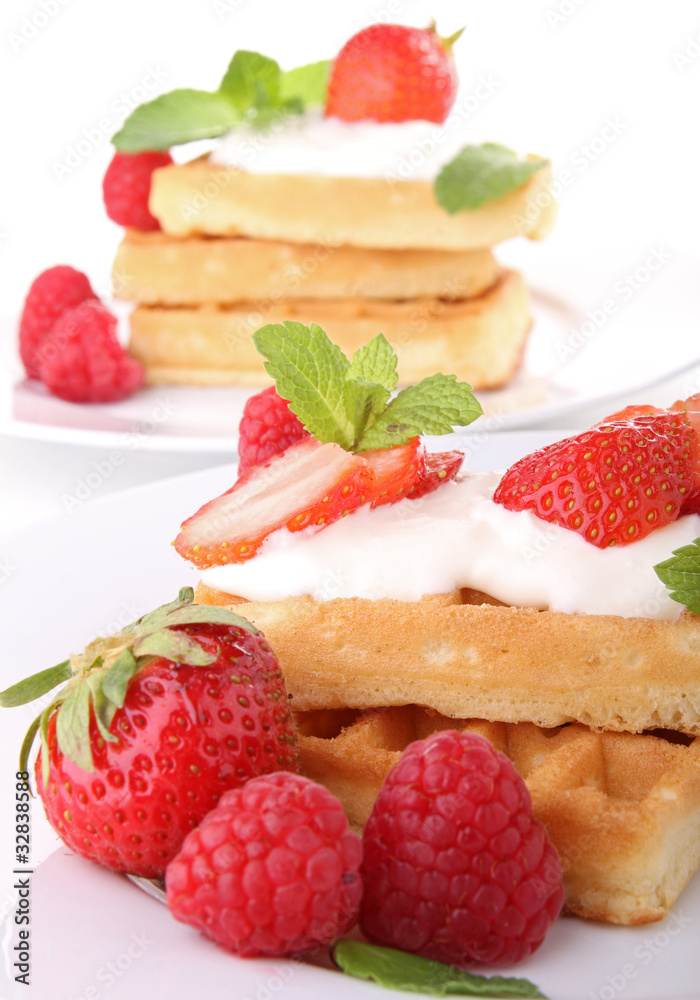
393	73
455	867
154	724
268	427
613	484
272	870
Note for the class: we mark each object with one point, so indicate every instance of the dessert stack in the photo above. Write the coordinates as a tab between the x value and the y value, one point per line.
359	215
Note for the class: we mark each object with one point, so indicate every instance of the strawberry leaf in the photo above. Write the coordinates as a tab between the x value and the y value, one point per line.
35	686
117	677
73	727
184	599
400	970
681	575
176	646
479	174
203	613
433	406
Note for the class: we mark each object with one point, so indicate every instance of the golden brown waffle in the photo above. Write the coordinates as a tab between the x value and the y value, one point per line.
623	810
480	340
201	197
156	269
472	660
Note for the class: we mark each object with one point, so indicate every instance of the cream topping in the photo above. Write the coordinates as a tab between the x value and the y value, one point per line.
458	537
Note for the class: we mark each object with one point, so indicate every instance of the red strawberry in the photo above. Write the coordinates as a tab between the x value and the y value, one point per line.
393	73
440	467
613	484
267	428
395	470
153	726
310	484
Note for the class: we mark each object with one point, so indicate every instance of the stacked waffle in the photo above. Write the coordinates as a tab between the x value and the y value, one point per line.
353	254
596	716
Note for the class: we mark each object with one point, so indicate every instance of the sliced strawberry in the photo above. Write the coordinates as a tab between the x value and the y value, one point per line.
613	484
440	467
630	412
395	470
308	484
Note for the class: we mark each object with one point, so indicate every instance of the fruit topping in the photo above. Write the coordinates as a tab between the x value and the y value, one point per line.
50	295
82	361
613	484
154	724
268	427
455	866
127	185
272	870
393	73
309	485
439	467
396	470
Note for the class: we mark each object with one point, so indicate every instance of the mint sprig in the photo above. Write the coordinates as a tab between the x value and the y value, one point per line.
254	90
681	575
348	402
400	970
479	174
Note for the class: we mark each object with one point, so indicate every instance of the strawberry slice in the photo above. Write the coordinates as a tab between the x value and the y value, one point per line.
440	467
395	470
308	484
613	484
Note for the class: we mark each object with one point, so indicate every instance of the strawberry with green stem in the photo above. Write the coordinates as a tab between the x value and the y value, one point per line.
364	445
152	726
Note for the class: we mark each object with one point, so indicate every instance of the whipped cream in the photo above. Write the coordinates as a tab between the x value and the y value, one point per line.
458	537
313	144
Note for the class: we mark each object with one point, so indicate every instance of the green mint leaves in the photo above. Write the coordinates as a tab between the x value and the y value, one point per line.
479	174
348	402
399	970
681	575
254	90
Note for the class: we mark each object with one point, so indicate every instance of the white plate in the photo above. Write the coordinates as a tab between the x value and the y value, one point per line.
578	355
94	934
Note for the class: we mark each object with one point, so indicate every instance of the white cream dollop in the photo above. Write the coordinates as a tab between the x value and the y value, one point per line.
458	537
313	144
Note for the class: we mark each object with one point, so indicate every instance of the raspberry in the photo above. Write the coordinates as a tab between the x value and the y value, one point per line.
82	361
272	870
455	867
267	428
127	185
50	295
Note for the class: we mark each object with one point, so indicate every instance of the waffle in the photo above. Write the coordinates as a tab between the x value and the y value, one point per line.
480	339
202	197
154	269
469	660
622	810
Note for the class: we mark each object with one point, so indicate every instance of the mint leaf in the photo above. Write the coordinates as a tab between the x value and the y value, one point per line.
306	83
399	970
433	406
251	81
681	575
179	116
479	174
376	363
310	372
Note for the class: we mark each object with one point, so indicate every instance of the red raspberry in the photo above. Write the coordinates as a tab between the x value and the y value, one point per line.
267	428
127	185
53	292
82	361
272	870
455	867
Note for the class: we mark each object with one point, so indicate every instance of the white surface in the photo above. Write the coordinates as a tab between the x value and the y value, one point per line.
94	572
